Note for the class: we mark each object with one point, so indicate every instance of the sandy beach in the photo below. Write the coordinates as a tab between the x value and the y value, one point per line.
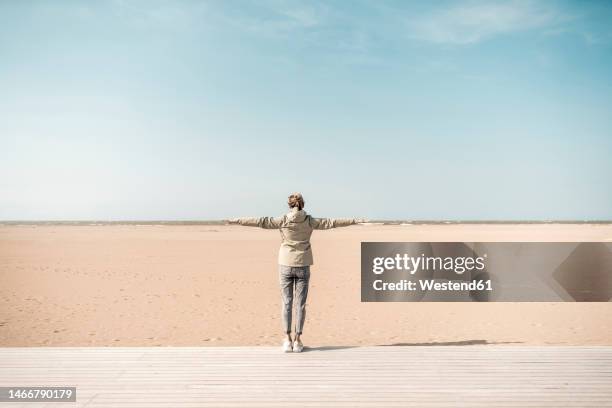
154	285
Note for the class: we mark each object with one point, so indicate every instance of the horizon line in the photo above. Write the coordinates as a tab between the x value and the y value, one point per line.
224	222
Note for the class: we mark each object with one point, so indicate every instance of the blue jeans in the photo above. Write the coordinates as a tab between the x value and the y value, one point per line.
290	277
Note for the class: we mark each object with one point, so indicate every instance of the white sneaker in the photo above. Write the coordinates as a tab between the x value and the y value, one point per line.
298	346
287	346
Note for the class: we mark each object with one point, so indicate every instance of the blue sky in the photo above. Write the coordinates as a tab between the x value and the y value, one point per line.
205	110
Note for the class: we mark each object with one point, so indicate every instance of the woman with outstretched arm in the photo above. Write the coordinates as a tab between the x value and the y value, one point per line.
294	259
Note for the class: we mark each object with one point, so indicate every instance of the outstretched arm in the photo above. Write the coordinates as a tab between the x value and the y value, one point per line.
261	222
327	223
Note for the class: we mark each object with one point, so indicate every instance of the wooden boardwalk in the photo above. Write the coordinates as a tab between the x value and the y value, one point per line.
391	376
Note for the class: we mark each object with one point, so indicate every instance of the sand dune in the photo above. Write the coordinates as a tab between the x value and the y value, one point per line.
130	285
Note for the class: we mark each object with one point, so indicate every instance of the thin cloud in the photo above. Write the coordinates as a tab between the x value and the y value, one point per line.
475	22
301	16
162	15
273	18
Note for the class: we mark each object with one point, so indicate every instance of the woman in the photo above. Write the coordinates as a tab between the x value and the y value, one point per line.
294	259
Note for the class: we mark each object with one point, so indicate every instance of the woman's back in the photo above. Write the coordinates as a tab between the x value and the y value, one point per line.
295	233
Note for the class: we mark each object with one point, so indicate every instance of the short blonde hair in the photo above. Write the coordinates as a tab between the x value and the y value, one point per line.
296	200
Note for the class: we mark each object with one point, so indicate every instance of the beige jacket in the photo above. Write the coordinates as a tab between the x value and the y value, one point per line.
295	228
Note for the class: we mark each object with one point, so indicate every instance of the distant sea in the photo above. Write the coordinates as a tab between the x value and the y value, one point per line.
222	222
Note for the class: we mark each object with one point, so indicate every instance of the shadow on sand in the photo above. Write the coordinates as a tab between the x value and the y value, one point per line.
327	348
428	344
454	343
